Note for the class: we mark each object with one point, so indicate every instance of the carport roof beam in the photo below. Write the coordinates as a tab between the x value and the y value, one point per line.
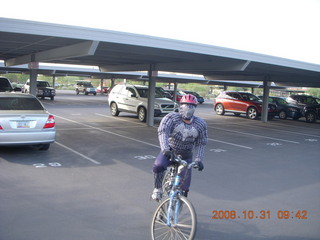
76	50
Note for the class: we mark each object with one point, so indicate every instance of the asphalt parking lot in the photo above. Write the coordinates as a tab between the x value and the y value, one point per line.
95	181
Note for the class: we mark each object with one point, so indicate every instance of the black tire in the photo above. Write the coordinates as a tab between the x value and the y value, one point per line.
184	229
114	109
142	114
282	115
219	109
77	91
44	147
252	113
52	98
311	117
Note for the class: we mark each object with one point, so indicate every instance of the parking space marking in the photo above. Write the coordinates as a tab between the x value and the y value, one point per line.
80	154
119	119
106	131
280	130
255	135
233	144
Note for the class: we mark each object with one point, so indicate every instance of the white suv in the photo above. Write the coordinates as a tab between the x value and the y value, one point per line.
133	99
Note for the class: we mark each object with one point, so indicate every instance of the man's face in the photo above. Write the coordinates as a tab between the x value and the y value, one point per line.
187	111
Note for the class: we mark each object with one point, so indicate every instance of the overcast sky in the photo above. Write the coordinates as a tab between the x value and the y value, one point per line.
284	28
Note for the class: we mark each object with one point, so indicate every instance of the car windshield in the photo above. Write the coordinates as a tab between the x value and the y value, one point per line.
311	100
143	92
43	84
195	94
250	97
10	103
281	101
5	86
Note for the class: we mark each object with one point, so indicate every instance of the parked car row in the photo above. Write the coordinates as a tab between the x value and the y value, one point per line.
180	93
295	106
23	118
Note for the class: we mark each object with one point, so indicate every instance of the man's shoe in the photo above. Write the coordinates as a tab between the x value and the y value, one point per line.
157	194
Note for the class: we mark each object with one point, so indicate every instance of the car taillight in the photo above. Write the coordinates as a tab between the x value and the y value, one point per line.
1	128
50	122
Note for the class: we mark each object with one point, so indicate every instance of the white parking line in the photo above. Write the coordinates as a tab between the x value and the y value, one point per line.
80	154
237	145
106	131
280	130
118	119
255	135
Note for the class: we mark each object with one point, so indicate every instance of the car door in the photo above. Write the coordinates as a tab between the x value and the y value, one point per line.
237	104
226	101
130	101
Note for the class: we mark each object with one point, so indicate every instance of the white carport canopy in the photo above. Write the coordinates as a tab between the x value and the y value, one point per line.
27	42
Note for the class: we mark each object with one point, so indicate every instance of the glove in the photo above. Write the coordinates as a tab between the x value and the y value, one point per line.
200	165
169	154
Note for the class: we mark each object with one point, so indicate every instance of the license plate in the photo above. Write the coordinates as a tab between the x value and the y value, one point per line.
23	124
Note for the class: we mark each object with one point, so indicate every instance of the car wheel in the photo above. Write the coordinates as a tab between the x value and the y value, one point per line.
114	109
220	109
52	98
44	147
252	113
142	114
77	91
282	115
310	117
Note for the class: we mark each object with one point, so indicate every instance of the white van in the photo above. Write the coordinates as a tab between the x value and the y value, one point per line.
133	99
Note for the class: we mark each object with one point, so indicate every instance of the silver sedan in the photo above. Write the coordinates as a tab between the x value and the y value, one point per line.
24	121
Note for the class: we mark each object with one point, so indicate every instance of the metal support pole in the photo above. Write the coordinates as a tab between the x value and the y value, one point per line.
101	86
33	81
151	95
175	87
54	81
112	83
266	89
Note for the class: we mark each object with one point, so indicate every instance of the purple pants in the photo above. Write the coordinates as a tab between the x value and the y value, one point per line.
162	162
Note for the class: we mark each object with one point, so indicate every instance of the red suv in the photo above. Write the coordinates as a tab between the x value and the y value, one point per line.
242	103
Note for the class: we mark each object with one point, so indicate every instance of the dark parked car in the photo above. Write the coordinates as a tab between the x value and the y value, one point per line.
242	103
309	105
5	85
199	98
43	89
285	110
